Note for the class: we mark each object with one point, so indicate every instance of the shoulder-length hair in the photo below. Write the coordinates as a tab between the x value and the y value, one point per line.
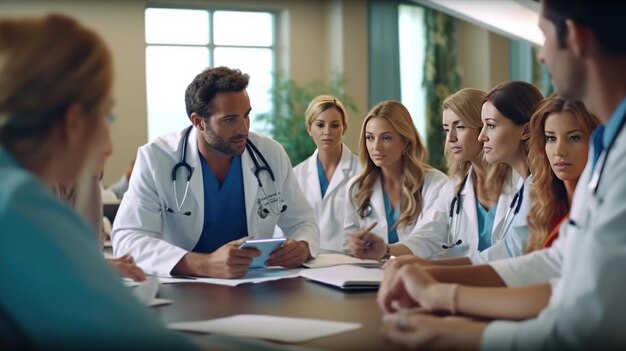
548	195
467	104
413	159
322	103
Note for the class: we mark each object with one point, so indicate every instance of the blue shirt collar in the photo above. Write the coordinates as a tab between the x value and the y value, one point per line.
612	126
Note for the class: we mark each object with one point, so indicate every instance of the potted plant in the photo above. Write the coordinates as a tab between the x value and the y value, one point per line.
286	123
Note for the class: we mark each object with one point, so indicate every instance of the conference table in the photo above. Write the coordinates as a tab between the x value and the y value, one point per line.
293	297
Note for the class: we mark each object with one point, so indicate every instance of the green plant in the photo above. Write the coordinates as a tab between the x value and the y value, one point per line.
286	123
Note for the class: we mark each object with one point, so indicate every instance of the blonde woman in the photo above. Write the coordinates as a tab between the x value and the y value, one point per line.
559	145
324	175
57	290
559	142
391	210
478	196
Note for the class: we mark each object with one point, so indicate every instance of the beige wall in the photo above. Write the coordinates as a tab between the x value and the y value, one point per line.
315	39
483	57
303	50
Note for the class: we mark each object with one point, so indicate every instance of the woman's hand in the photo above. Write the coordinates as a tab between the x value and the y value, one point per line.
365	244
126	267
411	286
417	331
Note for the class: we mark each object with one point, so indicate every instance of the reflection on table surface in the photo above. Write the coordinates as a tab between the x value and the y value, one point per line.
293	297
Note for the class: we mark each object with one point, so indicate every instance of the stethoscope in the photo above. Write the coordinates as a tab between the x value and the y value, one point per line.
594	182
455	209
514	208
263	211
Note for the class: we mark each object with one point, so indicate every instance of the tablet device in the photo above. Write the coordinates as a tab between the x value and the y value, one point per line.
266	246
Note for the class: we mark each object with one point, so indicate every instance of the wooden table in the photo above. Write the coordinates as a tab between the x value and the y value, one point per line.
295	297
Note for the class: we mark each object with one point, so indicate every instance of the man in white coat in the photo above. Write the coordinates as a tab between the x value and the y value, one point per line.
585	52
196	195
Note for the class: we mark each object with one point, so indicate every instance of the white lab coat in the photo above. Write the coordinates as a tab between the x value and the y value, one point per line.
466	223
330	210
424	237
158	239
586	309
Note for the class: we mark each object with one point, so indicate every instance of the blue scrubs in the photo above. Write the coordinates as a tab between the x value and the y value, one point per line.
322	177
485	225
56	288
392	217
224	208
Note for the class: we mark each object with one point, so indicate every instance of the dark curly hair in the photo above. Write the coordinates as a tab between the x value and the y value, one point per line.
208	83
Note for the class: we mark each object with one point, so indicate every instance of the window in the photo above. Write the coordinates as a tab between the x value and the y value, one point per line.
411	43
180	43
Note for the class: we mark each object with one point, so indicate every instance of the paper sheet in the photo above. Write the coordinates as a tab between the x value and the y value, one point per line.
285	329
158	302
334	259
257	275
345	276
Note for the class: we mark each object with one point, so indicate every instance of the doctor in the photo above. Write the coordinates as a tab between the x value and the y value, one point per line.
196	195
585	52
477	198
506	114
324	176
395	190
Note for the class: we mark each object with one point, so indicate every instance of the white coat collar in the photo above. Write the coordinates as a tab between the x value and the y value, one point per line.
341	173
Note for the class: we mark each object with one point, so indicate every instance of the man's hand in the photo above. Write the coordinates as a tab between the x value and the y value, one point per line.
229	261
291	255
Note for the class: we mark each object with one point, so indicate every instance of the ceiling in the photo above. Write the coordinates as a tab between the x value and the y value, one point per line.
515	19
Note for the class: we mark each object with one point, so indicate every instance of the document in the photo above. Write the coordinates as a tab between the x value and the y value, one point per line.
284	329
346	276
335	259
256	275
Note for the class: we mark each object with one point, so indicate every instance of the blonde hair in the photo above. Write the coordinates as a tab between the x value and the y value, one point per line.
548	195
413	163
47	64
467	104
322	103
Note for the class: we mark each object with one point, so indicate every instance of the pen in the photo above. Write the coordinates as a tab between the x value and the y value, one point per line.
367	233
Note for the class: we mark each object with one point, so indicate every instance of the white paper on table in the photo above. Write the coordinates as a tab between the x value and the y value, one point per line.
335	259
285	329
147	290
346	276
158	302
257	275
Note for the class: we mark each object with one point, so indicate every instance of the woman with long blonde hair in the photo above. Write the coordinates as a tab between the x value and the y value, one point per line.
324	176
560	132
559	148
478	195
392	197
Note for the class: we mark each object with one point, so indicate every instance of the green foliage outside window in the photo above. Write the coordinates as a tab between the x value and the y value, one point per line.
441	78
286	122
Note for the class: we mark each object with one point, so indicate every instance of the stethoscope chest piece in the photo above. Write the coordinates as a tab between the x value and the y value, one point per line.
262	211
366	211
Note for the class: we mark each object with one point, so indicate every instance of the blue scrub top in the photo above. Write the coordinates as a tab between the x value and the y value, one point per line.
485	225
392	218
57	289
224	208
322	177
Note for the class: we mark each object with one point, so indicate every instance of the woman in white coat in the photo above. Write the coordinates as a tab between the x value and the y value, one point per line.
395	190
479	194
324	175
